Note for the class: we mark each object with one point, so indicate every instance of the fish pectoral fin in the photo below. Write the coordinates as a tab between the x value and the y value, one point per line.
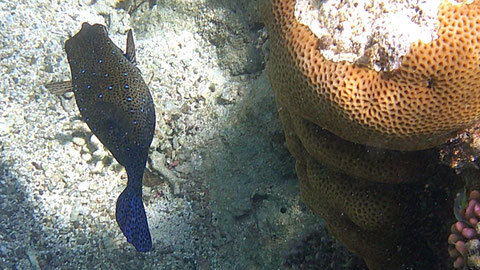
59	88
130	50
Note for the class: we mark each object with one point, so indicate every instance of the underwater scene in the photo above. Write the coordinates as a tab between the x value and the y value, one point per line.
252	134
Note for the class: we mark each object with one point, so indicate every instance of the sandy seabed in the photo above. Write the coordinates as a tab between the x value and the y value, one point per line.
221	190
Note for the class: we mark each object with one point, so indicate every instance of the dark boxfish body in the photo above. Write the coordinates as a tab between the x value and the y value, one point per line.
115	103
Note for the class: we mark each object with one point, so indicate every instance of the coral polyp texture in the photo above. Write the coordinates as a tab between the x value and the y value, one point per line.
434	92
364	139
465	234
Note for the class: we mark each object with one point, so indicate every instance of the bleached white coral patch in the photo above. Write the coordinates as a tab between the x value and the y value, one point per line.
374	33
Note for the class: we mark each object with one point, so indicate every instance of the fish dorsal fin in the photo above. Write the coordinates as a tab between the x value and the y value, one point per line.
130	51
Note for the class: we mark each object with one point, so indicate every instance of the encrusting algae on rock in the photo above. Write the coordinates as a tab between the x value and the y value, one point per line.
116	104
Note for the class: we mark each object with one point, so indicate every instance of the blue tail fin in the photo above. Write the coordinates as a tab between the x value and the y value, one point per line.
132	219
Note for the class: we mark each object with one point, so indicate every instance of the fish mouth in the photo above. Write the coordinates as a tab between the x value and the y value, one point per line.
86	25
96	28
99	28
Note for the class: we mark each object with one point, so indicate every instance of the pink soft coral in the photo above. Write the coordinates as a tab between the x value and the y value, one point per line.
464	239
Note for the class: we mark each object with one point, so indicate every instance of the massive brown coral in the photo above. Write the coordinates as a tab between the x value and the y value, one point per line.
434	93
374	219
349	127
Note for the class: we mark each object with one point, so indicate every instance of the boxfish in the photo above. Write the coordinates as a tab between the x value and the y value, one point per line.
115	102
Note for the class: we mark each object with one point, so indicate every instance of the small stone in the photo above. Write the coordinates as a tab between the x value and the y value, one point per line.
157	161
32	257
155	143
99	154
157	164
4	128
29	119
176	144
79	170
108	243
73	153
227	97
181	140
117	167
166	145
147	191
83	186
85	149
3	250
96	142
169	130
185	168
76	213
150	179
98	167
80	126
78	141
50	185
81	241
10	189
176	188
86	157
68	95
89	2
